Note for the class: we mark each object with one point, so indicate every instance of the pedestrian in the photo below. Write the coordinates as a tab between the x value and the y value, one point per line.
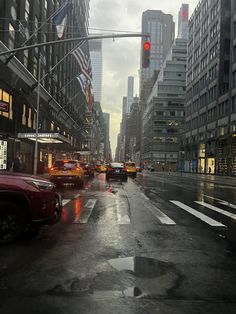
169	170
16	166
209	170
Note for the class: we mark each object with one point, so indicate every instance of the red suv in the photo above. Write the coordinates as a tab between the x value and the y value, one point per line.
26	201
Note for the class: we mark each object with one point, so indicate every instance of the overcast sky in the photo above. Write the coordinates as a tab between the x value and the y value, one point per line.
121	57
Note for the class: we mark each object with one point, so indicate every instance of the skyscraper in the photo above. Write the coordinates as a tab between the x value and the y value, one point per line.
183	22
130	92
95	48
161	28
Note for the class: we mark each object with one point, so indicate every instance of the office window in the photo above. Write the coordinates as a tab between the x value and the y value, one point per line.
30	118
23	118
7	98
233	104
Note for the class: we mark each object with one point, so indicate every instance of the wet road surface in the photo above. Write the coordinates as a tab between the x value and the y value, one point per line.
158	244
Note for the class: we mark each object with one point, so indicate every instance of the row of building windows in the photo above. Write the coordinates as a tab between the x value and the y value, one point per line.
179	113
216	112
6	98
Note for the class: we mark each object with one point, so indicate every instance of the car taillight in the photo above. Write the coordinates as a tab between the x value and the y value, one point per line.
78	169
109	169
124	169
51	168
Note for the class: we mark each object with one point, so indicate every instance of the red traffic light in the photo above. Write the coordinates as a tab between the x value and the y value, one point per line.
147	45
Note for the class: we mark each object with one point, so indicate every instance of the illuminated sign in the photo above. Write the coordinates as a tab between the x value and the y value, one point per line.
4	106
46	138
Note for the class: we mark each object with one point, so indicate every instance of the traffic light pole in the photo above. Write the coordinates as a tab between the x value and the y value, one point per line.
49	43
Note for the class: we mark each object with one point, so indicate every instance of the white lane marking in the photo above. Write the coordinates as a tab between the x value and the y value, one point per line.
228	204
217	209
148	199
76	196
122	213
84	217
65	201
163	218
223	202
199	215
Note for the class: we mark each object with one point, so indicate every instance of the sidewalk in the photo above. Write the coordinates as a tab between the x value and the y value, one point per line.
228	180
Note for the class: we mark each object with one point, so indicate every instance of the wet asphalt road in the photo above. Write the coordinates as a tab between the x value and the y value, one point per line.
144	246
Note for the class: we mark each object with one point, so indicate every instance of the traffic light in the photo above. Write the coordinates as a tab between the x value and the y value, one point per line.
146	54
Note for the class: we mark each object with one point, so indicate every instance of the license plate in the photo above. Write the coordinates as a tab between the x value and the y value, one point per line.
117	171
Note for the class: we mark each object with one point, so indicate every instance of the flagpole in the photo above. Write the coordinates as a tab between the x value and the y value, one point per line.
37	30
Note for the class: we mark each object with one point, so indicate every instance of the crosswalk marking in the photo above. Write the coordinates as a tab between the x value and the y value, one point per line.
163	218
122	213
217	209
199	215
65	201
223	202
84	217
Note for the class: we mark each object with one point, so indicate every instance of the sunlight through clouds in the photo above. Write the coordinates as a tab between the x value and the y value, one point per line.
121	57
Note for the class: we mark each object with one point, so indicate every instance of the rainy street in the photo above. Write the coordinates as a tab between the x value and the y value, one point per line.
160	243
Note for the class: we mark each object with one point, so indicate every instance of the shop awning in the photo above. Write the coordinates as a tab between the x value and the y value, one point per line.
45	138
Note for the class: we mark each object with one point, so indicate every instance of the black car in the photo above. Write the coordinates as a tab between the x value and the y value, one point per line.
116	170
89	169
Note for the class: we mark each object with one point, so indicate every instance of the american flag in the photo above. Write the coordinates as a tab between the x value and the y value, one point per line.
82	56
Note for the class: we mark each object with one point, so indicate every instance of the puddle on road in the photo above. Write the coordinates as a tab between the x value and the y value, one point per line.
141	266
131	277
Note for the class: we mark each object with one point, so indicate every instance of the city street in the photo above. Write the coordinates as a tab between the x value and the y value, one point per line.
160	243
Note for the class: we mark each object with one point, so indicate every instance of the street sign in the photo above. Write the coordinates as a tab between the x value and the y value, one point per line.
4	106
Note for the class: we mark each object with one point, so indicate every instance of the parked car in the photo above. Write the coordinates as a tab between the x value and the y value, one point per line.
131	168
26	201
67	171
116	170
88	169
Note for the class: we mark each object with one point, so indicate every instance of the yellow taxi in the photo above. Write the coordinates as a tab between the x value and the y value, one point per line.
67	171
101	168
131	168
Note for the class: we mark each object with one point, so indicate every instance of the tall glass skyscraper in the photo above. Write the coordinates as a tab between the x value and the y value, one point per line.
95	48
161	28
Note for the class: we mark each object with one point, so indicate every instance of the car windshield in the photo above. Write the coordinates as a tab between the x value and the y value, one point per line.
117	165
130	164
70	164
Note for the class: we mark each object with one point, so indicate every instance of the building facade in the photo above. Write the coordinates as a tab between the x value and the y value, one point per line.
163	120
209	140
95	49
161	28
62	106
183	21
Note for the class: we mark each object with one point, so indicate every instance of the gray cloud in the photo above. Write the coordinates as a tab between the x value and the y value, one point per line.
121	58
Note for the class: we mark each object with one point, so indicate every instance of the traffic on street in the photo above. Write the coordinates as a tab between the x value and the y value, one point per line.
159	242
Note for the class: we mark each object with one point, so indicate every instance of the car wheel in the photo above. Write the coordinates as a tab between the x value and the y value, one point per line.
13	222
135	175
57	212
125	179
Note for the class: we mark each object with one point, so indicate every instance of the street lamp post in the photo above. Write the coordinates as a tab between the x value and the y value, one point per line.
37	120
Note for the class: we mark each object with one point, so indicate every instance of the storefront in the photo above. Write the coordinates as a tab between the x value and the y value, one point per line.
201	158
49	148
222	157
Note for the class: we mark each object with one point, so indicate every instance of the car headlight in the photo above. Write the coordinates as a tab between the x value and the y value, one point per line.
41	185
